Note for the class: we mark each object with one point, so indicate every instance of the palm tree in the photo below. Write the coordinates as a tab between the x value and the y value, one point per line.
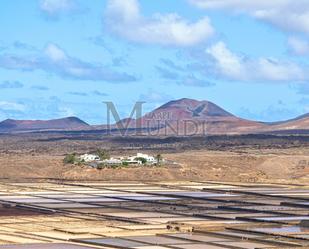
159	158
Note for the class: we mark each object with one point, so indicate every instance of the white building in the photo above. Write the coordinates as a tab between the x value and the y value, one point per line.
150	159
89	158
112	161
133	159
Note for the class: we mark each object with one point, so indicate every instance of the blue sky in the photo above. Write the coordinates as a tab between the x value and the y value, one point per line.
65	57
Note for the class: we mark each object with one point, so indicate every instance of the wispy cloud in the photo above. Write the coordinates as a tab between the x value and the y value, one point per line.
98	93
36	108
2	47
9	61
166	73
124	18
11	106
286	14
272	113
298	46
302	89
101	42
192	80
23	45
171	64
181	75
56	7
39	88
54	59
11	84
154	99
120	61
81	94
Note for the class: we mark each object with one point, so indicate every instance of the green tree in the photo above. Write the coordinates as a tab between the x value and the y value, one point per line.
103	154
70	159
125	163
141	159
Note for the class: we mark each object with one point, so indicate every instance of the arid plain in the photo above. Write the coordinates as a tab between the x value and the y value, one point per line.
250	158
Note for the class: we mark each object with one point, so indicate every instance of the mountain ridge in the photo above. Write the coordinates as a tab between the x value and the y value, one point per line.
181	114
67	123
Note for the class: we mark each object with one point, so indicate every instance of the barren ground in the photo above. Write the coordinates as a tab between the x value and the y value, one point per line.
193	165
29	157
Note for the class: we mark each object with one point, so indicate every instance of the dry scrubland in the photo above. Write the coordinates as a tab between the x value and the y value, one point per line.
34	156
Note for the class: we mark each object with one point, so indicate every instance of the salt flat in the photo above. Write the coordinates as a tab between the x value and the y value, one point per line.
204	214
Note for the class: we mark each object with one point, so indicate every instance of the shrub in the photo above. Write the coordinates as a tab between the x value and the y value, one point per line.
70	159
103	154
141	159
114	166
125	163
100	166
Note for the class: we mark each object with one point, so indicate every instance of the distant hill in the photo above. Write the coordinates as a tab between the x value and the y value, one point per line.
190	108
69	123
175	118
188	116
298	123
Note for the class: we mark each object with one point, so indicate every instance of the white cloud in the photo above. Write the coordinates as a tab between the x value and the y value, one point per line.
155	97
275	70
124	18
65	112
231	66
242	5
287	14
54	59
11	106
298	46
228	63
70	67
55	53
54	7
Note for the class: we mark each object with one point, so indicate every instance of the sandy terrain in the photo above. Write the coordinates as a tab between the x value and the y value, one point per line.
225	158
287	165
